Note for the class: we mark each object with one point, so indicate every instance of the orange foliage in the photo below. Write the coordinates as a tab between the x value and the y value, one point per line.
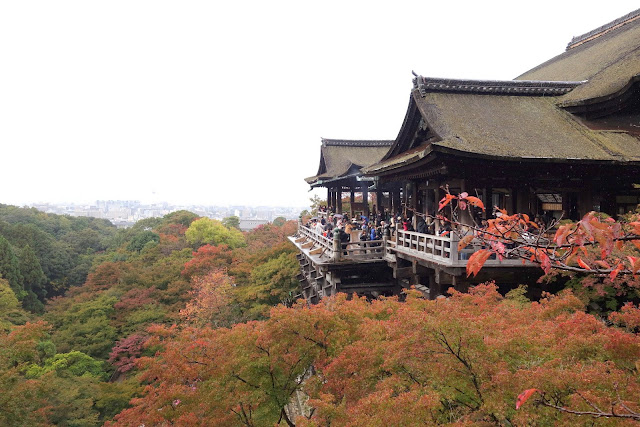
463	360
207	259
211	300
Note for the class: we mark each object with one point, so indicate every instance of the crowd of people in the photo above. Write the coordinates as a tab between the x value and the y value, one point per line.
369	228
381	223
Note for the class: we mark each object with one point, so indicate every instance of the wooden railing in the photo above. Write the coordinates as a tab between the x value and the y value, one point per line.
323	214
442	249
359	250
318	239
365	250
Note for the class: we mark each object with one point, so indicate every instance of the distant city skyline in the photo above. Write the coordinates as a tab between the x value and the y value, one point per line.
226	102
125	213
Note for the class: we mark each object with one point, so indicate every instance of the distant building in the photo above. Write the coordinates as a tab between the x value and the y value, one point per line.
250	224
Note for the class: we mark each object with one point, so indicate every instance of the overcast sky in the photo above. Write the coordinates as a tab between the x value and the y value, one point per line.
225	102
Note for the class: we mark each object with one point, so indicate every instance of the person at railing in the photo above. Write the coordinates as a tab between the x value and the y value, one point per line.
364	236
406	224
328	225
384	228
373	234
344	238
422	226
431	226
348	227
445	229
319	228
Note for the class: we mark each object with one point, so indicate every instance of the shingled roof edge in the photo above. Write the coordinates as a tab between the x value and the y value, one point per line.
498	87
577	40
355	142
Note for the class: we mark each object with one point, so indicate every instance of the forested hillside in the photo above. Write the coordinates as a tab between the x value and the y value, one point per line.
72	361
188	321
43	255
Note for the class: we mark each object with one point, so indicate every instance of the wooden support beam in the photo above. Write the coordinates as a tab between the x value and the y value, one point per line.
402	272
365	199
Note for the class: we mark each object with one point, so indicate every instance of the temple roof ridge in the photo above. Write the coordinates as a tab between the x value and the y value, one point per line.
355	142
499	87
578	40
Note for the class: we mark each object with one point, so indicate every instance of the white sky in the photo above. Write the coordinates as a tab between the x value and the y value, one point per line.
225	102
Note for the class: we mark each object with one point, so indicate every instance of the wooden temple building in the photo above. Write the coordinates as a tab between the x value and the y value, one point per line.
561	140
339	171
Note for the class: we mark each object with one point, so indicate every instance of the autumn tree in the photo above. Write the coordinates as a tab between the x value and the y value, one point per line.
377	361
126	351
206	259
22	402
213	302
279	221
597	246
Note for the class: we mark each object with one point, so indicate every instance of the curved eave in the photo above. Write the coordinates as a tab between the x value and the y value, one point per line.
587	102
399	161
426	155
322	181
458	153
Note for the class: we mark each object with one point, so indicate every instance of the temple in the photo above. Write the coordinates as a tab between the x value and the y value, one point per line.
558	141
340	167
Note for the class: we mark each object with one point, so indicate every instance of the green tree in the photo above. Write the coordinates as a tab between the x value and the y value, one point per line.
279	221
205	230
33	278
183	217
231	222
84	325
10	311
10	269
141	239
74	363
272	282
316	202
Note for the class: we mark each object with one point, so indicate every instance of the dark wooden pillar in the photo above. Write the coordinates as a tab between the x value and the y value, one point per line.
328	198
333	200
365	198
430	205
339	200
397	206
414	203
352	200
393	204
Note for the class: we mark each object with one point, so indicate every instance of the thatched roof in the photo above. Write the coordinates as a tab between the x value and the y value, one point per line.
530	119
509	127
608	57
340	158
519	127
